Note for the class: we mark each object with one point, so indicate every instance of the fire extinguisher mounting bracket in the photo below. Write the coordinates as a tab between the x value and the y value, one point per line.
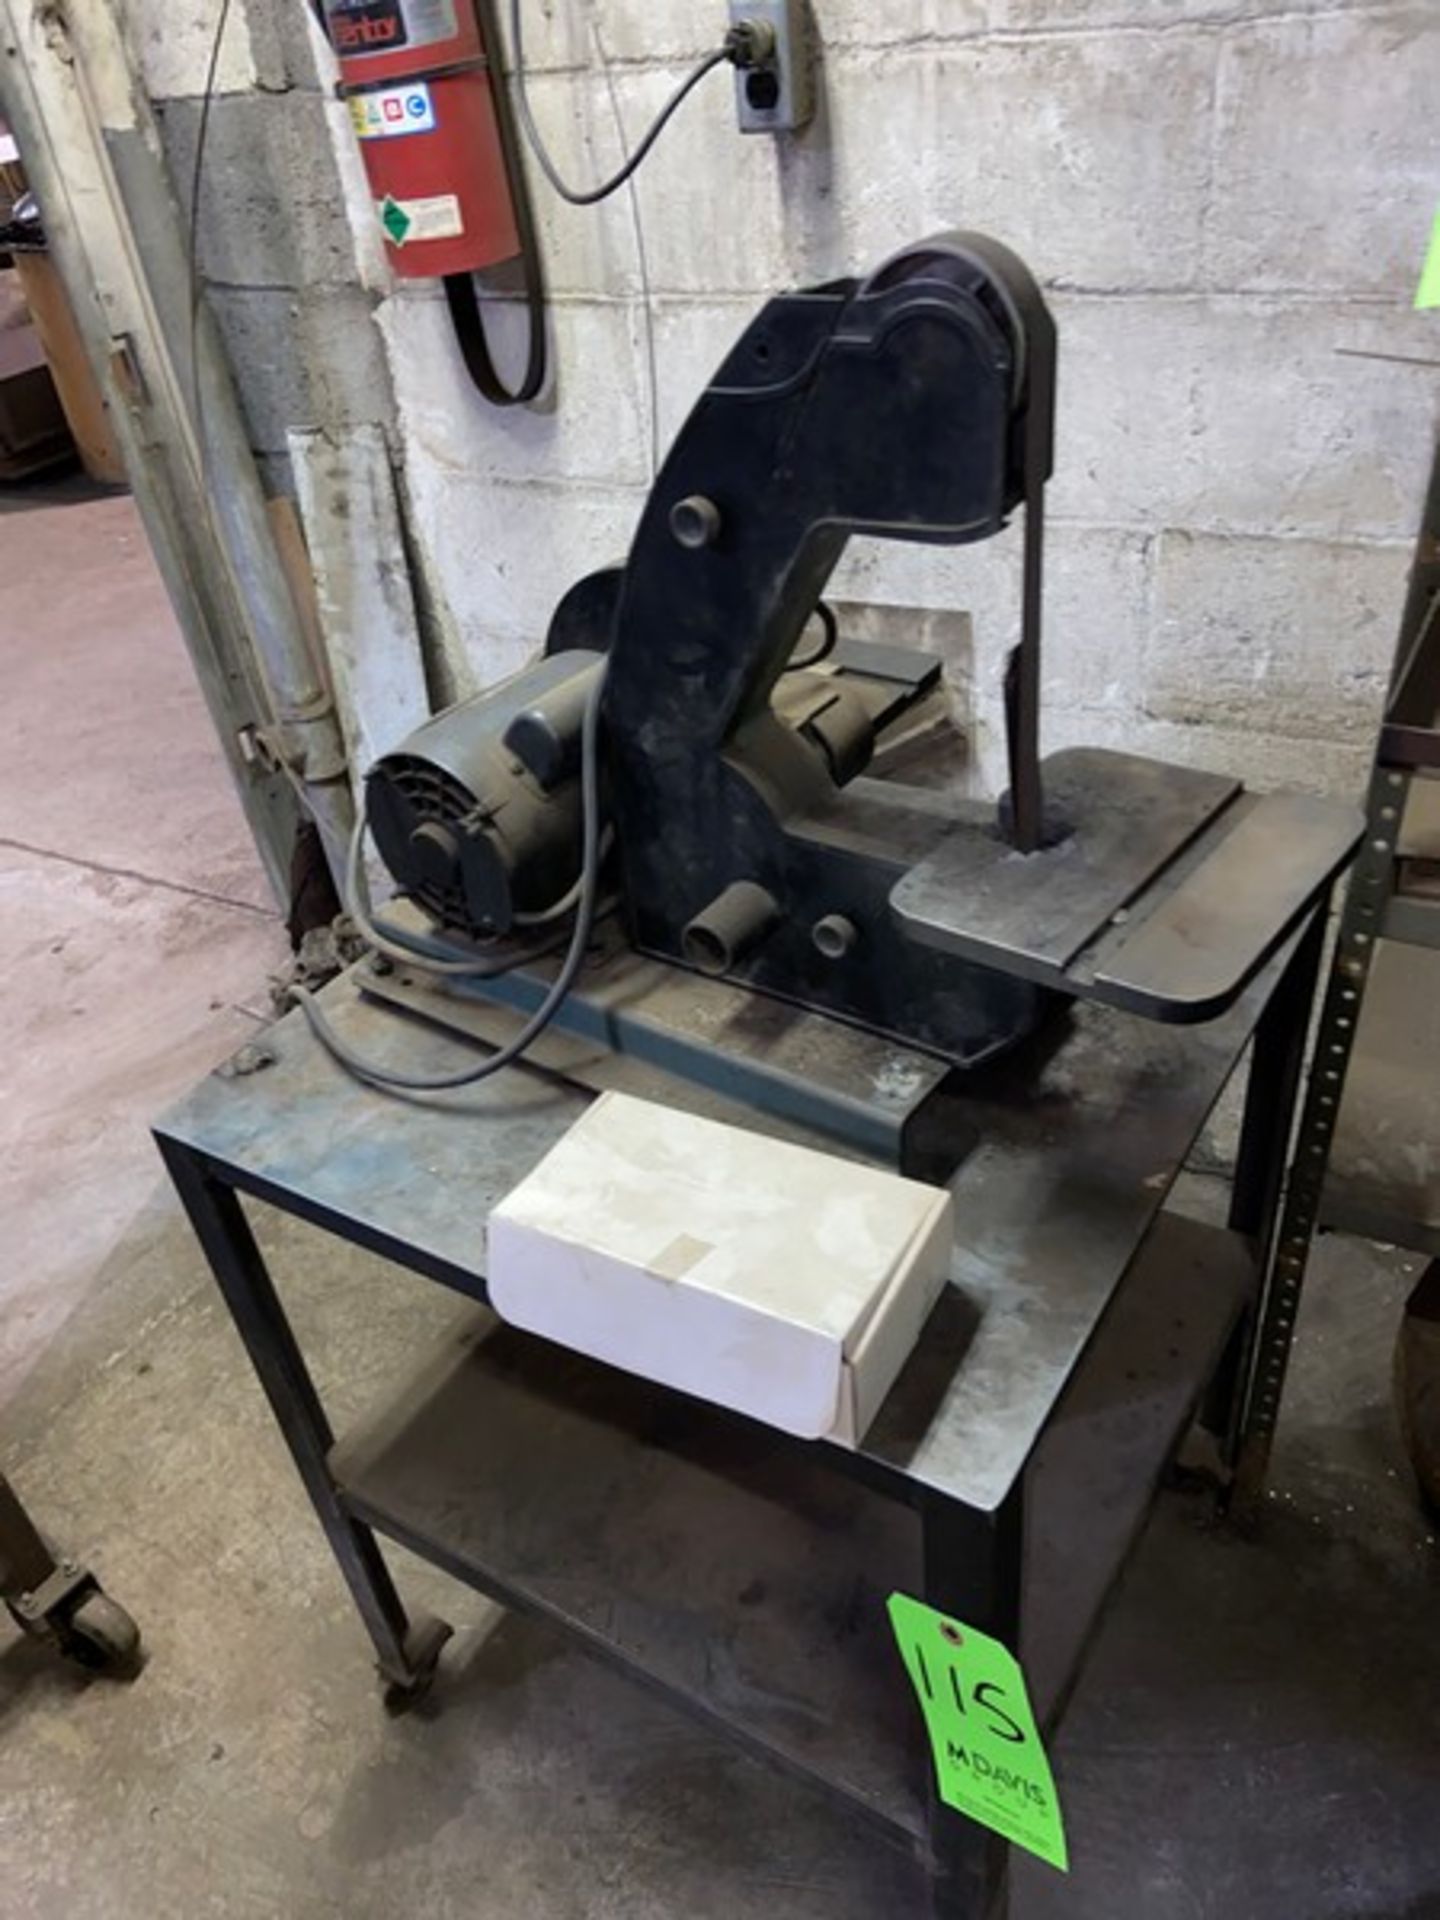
356	89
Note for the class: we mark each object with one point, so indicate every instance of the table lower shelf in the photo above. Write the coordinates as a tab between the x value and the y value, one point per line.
733	1568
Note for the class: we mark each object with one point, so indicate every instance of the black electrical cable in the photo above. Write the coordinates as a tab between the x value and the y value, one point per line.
590	196
828	643
590	865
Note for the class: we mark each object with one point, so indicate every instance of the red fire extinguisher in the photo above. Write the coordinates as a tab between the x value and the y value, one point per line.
438	139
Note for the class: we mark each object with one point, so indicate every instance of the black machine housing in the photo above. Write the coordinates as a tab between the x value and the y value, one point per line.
917	404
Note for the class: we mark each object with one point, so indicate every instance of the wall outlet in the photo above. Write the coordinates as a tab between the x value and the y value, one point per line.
778	95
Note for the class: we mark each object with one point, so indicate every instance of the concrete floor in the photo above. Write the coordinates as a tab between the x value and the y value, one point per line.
1254	1735
133	916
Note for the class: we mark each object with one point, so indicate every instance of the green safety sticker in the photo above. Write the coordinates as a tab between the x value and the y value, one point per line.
989	1760
395	220
1427	294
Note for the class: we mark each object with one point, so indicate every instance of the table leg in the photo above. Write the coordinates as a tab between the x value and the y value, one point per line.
406	1650
25	1561
1267	1129
974	1570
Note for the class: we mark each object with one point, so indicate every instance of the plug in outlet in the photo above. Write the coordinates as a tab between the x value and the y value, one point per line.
776	92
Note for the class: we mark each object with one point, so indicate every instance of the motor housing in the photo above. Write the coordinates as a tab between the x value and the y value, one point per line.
477	814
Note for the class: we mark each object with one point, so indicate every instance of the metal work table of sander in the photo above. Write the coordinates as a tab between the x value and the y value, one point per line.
1037	1004
1006	1478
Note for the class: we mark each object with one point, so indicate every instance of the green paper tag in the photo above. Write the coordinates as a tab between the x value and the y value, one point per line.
1427	294
395	220
989	1762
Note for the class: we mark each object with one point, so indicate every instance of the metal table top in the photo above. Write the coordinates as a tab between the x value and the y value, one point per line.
1079	1137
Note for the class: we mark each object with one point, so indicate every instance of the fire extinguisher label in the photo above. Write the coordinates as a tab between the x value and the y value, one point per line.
367	26
405	221
388	111
427	21
358	27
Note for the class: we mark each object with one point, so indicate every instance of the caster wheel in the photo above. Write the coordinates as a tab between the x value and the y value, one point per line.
100	1635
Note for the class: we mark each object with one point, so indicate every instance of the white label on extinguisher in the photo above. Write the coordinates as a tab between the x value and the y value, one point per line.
388	111
405	221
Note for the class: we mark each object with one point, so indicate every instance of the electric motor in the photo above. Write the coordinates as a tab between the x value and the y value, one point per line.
477	814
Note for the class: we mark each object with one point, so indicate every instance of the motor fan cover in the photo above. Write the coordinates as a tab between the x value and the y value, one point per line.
477	814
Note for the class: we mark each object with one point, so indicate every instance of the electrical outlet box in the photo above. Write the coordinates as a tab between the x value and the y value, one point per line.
778	95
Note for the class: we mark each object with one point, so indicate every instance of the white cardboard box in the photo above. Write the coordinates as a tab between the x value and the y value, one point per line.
772	1279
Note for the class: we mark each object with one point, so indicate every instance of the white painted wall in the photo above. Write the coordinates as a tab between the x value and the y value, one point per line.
1226	200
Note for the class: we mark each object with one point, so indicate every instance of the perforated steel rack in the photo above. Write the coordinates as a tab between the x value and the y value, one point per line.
1377	907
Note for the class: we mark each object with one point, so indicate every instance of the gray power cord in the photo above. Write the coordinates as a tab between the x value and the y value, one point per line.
744	45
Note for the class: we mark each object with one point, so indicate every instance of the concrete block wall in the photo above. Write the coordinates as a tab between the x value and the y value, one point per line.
287	254
1226	201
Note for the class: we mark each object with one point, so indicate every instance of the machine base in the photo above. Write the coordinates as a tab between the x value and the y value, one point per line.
885	1101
